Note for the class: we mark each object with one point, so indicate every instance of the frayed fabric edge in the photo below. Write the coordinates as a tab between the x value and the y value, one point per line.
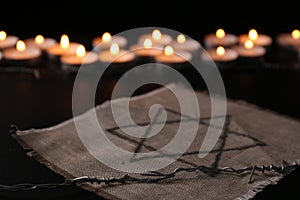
261	186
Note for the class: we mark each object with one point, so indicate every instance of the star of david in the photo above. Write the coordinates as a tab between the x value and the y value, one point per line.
203	121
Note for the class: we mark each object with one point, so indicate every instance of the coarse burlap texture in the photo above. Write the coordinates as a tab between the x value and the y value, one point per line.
252	136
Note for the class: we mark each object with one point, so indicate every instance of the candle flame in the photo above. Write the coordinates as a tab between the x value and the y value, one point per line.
253	35
147	43
156	34
80	51
249	44
64	41
2	35
114	49
168	50
106	37
39	39
181	39
220	51
20	46
296	34
220	33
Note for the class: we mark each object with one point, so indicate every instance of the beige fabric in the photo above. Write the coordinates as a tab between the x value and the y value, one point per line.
254	137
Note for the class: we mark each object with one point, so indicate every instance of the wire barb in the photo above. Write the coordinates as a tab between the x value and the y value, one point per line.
155	176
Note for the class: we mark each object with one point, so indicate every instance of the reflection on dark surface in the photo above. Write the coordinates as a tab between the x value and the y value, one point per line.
36	102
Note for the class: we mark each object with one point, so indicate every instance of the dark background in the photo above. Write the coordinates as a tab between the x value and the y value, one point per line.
86	19
41	103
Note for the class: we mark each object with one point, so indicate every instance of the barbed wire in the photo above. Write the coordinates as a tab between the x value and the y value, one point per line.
155	176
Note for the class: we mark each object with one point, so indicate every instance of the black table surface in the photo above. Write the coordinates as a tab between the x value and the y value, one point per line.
36	102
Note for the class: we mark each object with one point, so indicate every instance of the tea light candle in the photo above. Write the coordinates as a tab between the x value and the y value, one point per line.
289	39
41	42
220	54
116	55
118	60
183	44
65	47
249	50
220	38
80	58
105	41
147	49
258	39
157	38
21	53
7	41
170	56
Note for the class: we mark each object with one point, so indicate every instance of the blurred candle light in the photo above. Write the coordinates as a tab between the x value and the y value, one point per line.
250	50
220	33
147	49
289	40
181	39
156	34
106	37
64	47
220	51
220	38
2	35
7	41
80	51
183	43
116	55
296	34
106	40
249	44
20	46
116	60
147	43
21	53
41	42
157	37
257	38
168	50
64	41
220	54
81	57
253	34
114	49
39	39
169	55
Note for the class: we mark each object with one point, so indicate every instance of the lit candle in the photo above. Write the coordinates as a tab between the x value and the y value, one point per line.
170	56
184	44
116	55
7	41
81	57
41	42
289	39
248	49
117	60
64	47
21	53
157	37
220	54
147	49
258	39
105	41
220	38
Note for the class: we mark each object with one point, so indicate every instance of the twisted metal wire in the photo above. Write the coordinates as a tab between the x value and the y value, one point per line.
154	176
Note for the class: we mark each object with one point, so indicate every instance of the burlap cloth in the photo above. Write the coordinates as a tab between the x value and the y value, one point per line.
254	136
